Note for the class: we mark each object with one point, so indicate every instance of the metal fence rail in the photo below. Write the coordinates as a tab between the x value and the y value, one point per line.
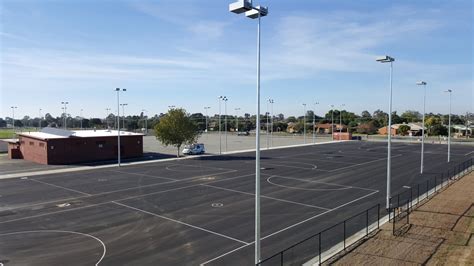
320	246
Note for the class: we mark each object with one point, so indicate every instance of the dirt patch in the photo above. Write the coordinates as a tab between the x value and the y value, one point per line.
440	233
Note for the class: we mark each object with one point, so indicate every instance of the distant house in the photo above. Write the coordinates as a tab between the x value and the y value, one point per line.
292	127
415	129
58	146
328	128
462	130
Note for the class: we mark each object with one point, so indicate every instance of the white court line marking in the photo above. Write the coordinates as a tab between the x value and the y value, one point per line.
314	167
183	223
320	160
195	166
468	153
139	174
286	228
97	204
326	183
309	189
68	232
268	197
359	164
53	185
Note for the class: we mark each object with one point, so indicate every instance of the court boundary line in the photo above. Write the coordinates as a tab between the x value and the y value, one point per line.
65	231
369	162
57	186
307	189
289	227
267	197
147	175
326	183
180	222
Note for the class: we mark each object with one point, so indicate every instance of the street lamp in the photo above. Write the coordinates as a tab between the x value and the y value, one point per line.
13	115
123	113
40	118
107	110
304	123
449	127
422	83
271	101
254	12
340	121
207	108
146	121
332	121
81	118
65	114
314	122
388	59
118	123
220	99
237	119
225	121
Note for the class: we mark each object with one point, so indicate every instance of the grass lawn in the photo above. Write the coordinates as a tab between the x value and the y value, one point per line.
8	133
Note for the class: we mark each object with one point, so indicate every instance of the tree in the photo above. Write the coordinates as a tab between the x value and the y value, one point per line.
176	128
365	116
381	117
291	119
411	116
403	129
368	127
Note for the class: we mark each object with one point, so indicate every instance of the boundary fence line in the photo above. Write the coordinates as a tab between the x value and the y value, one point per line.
316	249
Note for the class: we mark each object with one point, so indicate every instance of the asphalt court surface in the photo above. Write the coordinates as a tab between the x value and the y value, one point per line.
201	210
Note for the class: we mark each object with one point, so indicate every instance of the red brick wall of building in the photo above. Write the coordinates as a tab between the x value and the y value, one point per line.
33	149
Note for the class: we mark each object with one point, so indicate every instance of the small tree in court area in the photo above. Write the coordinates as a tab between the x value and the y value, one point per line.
176	128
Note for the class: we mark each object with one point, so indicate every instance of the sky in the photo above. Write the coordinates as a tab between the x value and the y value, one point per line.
187	53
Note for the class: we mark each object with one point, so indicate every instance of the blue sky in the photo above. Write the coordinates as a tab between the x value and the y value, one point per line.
187	53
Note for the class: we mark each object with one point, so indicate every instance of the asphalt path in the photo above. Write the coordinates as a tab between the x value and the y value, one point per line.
201	211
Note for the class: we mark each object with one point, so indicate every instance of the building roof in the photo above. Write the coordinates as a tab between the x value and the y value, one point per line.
56	133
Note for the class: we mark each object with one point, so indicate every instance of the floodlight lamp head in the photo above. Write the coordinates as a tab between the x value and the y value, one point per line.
254	13
421	83
385	59
240	6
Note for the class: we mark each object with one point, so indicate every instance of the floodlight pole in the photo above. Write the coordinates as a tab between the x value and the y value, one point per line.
225	122
340	122
237	119
118	124
13	119
65	114
422	83
267	129
314	122
81	118
40	118
332	121
220	136
449	127
271	122
388	59
206	108
304	123
123	113
146	121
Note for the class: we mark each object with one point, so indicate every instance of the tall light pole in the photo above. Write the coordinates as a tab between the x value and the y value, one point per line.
207	108
332	121
81	117
13	115
314	122
118	90
237	119
65	114
271	101
449	127
220	126
107	110
267	130
146	120
304	123
388	59
340	121
422	83
123	113
254	12
40	118
225	121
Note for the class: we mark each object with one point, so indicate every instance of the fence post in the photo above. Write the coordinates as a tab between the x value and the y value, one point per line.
378	216
320	255
367	222
344	234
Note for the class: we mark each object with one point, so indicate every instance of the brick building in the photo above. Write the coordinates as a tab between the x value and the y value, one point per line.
57	146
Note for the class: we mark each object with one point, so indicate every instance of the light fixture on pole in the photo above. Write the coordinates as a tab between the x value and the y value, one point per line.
254	12
65	113
40	118
107	110
118	90
225	121
81	118
340	121
422	83
220	99
271	101
207	108
123	113
388	59
146	120
304	122
314	122
332	121
449	127
237	119
13	115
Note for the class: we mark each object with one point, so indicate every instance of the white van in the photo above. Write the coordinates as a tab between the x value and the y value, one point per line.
197	148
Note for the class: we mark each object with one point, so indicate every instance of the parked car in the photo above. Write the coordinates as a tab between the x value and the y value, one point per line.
243	133
197	148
